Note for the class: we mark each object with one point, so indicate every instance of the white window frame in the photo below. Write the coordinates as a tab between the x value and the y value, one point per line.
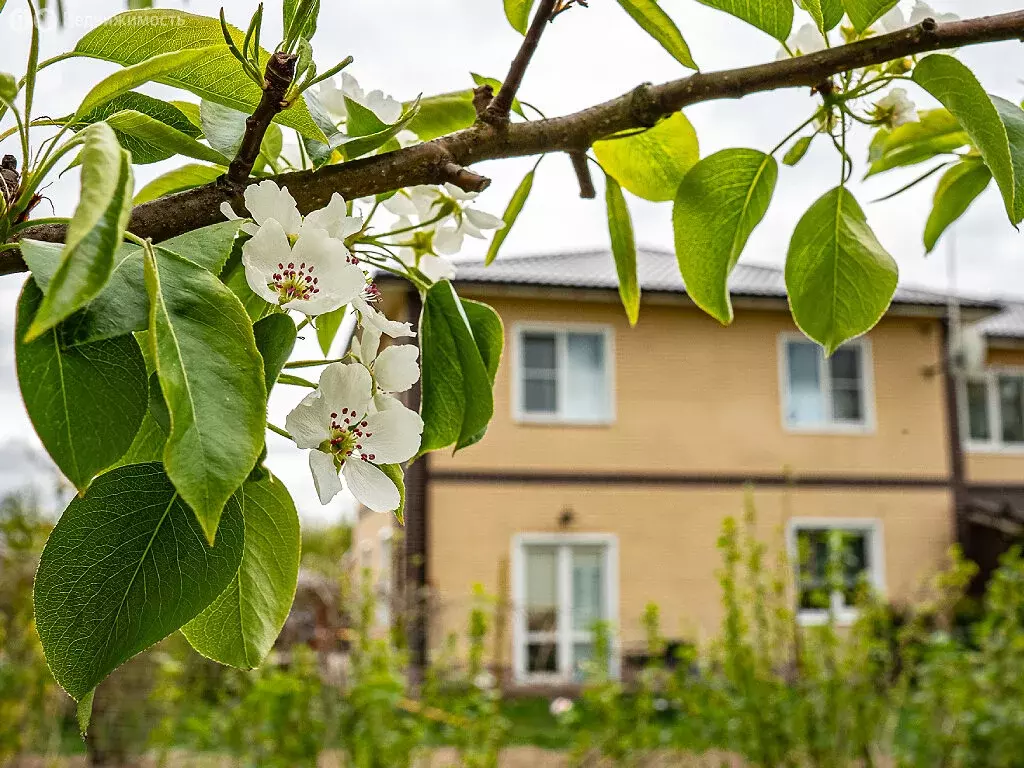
560	332
844	615
995	426
566	636
866	426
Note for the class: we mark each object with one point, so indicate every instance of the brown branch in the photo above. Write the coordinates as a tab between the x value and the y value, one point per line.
464	179
430	163
581	167
497	112
279	74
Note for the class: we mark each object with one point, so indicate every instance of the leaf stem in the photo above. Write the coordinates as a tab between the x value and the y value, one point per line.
312	363
802	125
278	430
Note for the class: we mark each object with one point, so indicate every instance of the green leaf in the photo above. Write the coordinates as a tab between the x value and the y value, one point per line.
239	627
772	16
83	712
151	438
357	145
826	13
275	339
719	204
188	108
489	335
327	326
839	277
457	401
178	180
620	229
495	84
233	276
8	87
515	207
991	124
653	163
143	151
798	150
397	475
211	375
124	567
518	14
162	66
958	188
313	11
937	133
271	148
135	36
224	127
123	305
87	402
95	231
163	137
864	13
659	25
443	114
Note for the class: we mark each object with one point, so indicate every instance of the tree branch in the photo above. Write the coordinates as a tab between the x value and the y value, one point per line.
431	162
278	78
581	167
497	112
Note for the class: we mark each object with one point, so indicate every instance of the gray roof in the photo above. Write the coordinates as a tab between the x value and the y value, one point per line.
1008	324
658	273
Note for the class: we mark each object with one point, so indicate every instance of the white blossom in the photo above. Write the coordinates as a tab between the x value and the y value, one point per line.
266	201
387	109
485	681
345	437
369	316
807	39
892	21
922	11
896	109
394	369
315	276
561	706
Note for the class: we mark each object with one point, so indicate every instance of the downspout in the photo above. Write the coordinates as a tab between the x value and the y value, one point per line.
957	464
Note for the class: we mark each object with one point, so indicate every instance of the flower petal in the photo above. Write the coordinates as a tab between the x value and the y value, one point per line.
370	486
437	267
325	475
334	219
346	385
369	344
261	256
459	194
309	423
266	200
396	369
392	436
384	402
327	262
229	212
317	304
400	204
448	240
482	219
371	316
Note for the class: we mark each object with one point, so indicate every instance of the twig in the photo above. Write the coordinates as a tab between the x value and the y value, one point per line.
582	169
432	161
463	178
278	76
483	95
497	112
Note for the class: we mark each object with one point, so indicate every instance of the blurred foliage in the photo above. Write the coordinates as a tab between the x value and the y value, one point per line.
906	686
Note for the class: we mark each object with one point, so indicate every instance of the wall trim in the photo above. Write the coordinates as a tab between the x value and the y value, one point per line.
684	479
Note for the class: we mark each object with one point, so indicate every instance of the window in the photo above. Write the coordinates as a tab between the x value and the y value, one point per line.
995	409
564	375
825	392
833	562
564	588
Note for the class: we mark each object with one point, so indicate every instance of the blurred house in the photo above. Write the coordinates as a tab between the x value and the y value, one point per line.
616	453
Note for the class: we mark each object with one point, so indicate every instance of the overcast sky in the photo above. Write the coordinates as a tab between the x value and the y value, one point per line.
589	55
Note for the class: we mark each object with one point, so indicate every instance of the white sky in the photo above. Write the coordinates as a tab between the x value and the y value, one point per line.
587	56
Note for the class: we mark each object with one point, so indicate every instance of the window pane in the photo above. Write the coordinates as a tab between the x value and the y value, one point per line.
845	364
586	382
540	395
541	589
830	560
847	385
542	657
847	405
581	654
977	411
1011	408
587	587
539	350
805	403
